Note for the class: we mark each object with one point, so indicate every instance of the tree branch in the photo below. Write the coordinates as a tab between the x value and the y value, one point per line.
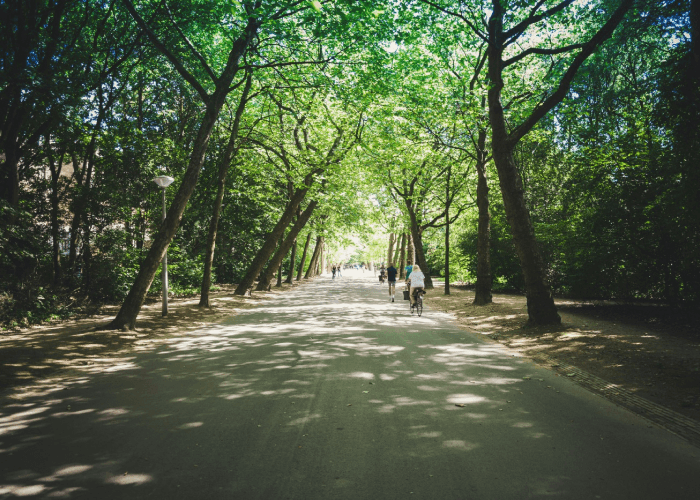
473	27
189	78
540	111
196	53
519	28
534	50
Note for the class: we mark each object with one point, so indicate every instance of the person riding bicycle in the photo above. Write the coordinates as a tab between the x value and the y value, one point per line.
382	274
416	281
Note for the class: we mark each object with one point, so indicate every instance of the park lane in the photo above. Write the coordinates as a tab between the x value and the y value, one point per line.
332	391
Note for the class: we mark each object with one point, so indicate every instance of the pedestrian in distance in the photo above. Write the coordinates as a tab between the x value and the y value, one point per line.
391	273
333	270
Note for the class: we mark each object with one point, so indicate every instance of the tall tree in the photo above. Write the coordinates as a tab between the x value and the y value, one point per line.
229	154
213	101
541	309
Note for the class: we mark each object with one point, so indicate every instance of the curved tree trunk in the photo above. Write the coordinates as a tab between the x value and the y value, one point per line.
126	318
540	302
221	184
314	258
284	248
268	248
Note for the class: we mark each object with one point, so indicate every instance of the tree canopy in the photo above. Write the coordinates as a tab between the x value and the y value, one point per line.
553	142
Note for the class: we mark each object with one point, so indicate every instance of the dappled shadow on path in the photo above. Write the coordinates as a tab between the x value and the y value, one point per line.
327	392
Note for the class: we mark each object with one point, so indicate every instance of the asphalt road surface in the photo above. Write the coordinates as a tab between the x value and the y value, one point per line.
331	391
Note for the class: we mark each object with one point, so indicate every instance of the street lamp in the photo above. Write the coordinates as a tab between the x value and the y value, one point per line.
164	181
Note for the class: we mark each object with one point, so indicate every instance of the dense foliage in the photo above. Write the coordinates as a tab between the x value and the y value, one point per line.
374	110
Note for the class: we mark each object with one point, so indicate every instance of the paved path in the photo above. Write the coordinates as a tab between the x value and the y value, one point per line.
331	391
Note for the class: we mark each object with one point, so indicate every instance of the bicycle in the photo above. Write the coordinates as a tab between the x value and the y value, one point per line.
417	305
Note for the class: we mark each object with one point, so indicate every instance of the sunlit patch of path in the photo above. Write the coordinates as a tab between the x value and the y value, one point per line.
331	391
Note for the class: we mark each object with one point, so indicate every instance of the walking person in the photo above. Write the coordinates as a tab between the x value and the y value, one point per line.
417	281
333	269
391	273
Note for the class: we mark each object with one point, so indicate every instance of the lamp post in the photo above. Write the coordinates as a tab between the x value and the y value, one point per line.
163	182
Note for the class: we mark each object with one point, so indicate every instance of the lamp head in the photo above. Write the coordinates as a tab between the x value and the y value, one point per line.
163	181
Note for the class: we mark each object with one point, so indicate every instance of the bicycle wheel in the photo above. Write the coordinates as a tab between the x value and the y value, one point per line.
419	305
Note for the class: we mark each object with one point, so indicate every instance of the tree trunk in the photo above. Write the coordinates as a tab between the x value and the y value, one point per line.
390	251
317	271
10	175
411	258
540	302
482	294
314	258
420	258
695	40
397	250
221	184
277	259
417	239
303	257
126	318
279	275
55	234
273	237
447	230
322	260
292	262
402	262
447	251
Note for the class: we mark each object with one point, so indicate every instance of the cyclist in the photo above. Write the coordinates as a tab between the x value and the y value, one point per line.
416	281
382	274
391	273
